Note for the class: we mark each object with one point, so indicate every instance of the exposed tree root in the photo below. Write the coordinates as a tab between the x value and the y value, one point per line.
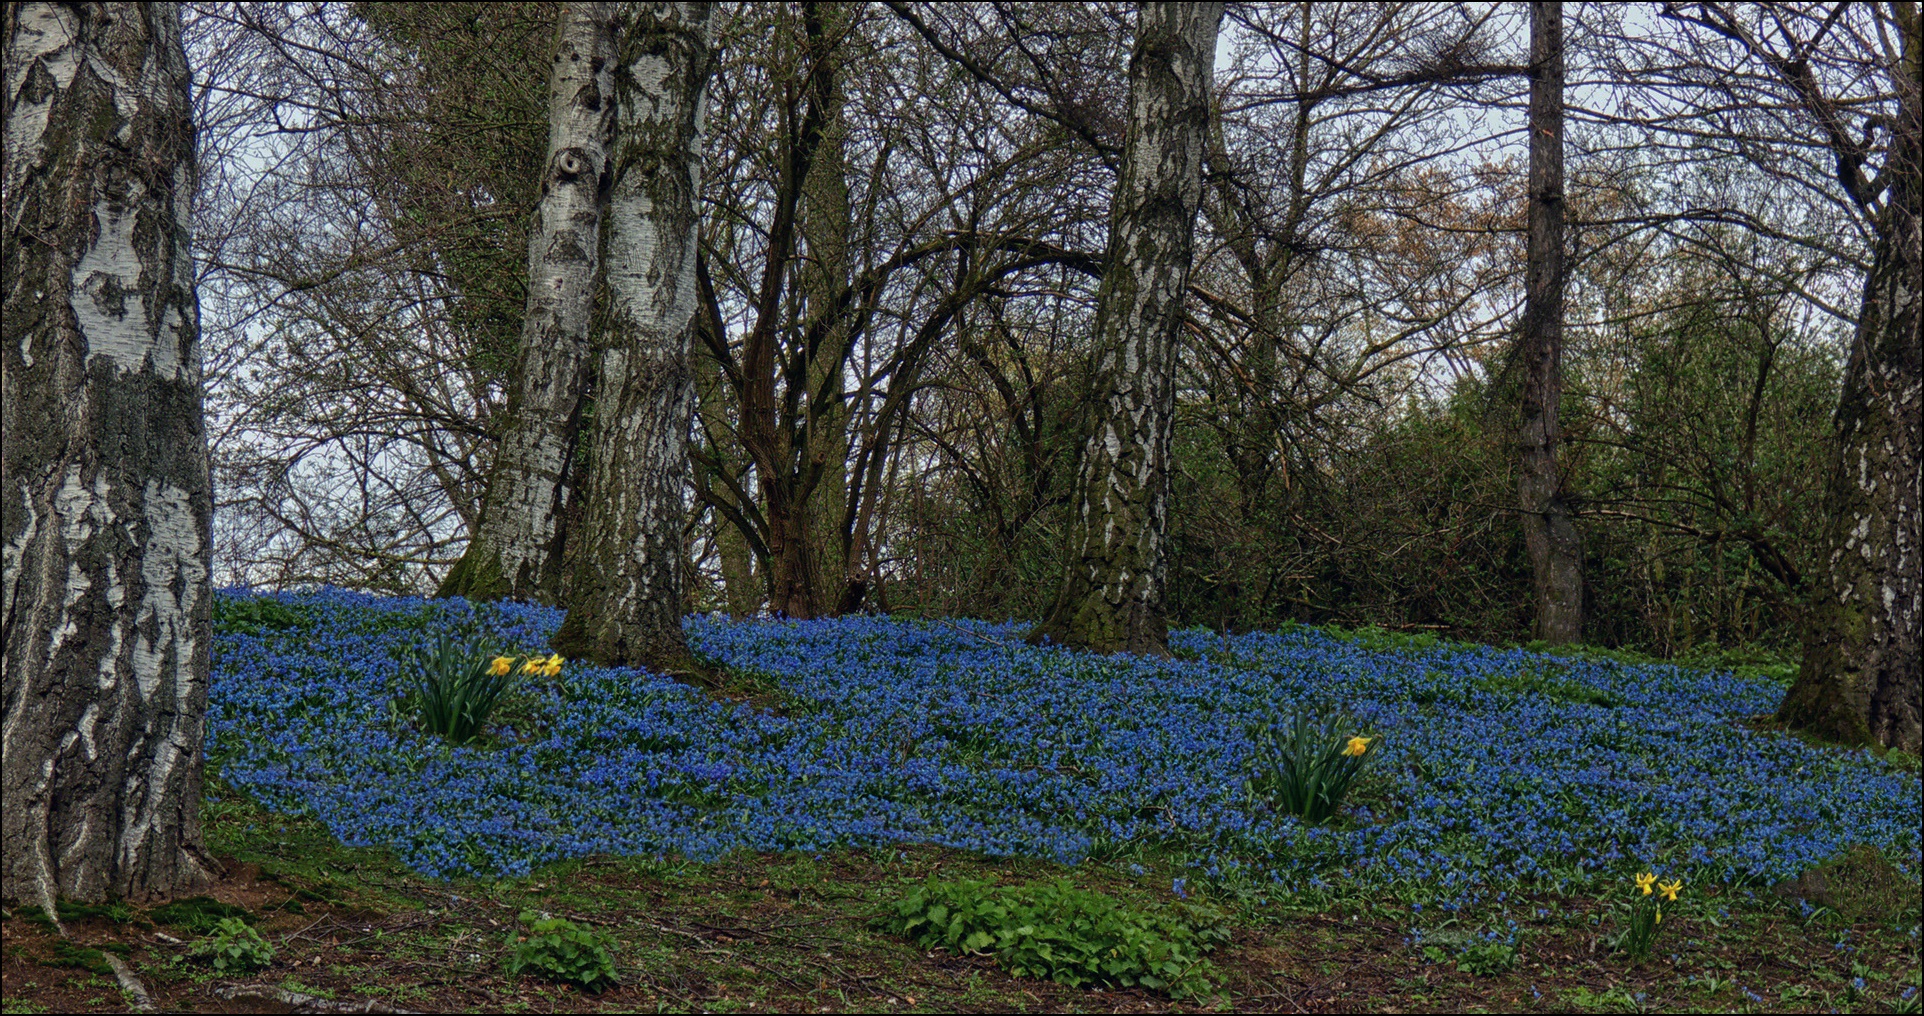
302	1002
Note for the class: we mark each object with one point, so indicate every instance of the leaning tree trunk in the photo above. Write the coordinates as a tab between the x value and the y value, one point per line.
1859	682
626	599
105	511
1111	597
516	548
1549	532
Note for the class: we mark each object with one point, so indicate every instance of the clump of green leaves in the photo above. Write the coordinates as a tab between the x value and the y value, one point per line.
456	685
1487	959
1484	955
233	947
562	950
197	914
1061	933
259	616
1304	765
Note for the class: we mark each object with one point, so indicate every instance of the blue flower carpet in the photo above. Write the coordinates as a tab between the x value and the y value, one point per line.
1498	769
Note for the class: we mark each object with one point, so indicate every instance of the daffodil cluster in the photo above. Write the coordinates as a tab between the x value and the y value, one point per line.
531	666
1490	769
1645	913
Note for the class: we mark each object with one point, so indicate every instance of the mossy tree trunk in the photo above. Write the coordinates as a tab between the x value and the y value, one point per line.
1549	530
625	603
822	460
516	548
1859	682
105	510
1112	595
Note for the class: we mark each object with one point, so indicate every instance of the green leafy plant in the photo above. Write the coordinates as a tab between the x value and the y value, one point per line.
1487	959
1484	954
456	685
197	914
259	616
562	950
233	947
1645	913
1305	765
1061	933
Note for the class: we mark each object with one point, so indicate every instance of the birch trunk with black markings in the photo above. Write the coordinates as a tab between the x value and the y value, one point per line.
1860	679
517	546
625	603
105	511
1112	596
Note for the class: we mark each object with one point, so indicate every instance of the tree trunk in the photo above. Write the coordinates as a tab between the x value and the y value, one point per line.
1549	532
823	219
106	517
741	580
1111	597
1859	681
516	547
626	599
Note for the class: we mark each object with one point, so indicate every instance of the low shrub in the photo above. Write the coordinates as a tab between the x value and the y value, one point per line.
233	947
1064	934
562	950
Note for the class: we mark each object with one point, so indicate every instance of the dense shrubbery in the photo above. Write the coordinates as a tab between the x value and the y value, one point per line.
1499	768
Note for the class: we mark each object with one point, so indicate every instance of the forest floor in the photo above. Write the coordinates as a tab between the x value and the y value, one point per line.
351	930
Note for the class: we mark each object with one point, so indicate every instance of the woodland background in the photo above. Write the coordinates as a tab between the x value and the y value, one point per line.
1346	408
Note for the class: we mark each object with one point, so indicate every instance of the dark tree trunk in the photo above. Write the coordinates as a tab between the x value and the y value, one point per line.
626	598
1111	597
823	220
106	512
1859	682
1549	531
517	544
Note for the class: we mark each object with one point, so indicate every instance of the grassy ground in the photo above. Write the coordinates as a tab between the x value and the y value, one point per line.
793	933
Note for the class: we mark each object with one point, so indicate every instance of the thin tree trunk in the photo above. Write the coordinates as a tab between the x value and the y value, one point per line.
516	547
1111	597
1549	532
626	599
106	517
1859	682
741	581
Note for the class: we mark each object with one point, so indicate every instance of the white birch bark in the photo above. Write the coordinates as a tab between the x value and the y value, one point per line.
626	597
516	548
105	510
1112	595
1862	680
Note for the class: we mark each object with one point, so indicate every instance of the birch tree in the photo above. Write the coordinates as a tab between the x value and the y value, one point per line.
1111	597
625	603
515	550
105	512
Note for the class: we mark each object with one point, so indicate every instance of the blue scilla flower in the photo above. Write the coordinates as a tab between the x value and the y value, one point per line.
903	732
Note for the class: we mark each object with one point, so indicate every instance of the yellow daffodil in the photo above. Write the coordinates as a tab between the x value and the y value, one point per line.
1645	881
1357	746
501	665
533	666
552	667
1670	889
